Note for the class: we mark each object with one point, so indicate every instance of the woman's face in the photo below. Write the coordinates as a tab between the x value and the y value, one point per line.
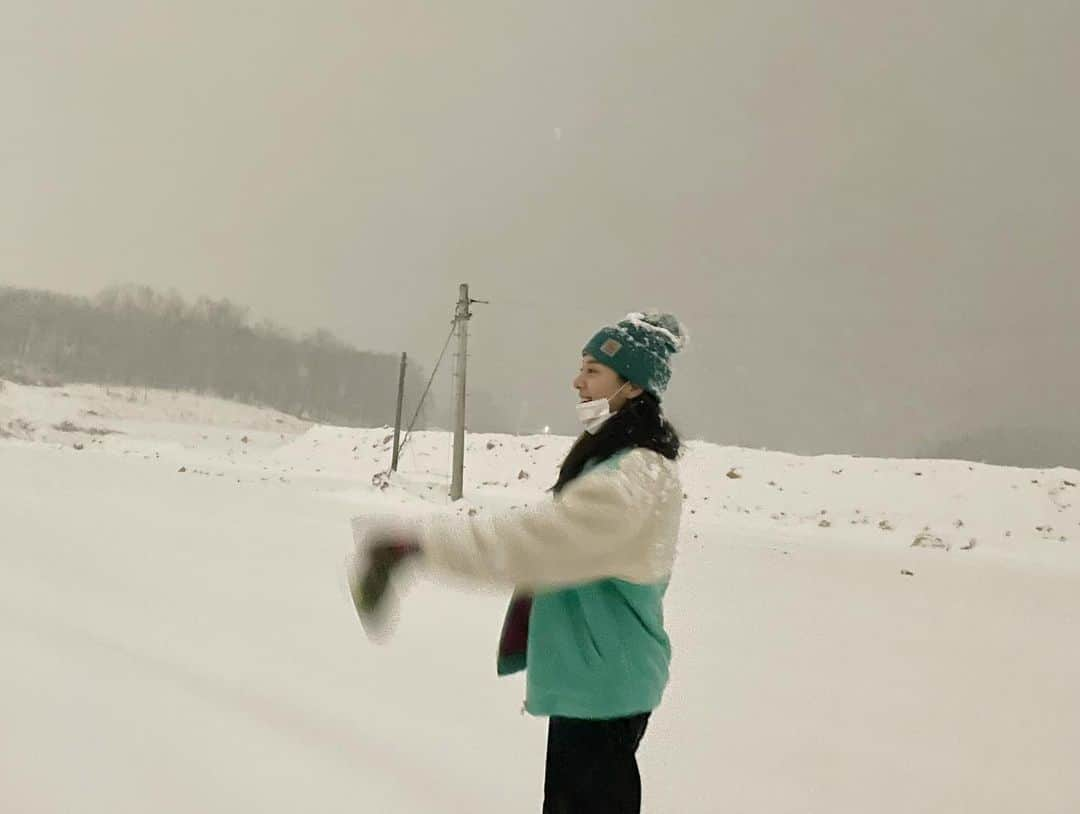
598	381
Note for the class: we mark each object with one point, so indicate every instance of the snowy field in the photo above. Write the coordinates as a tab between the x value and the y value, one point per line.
177	637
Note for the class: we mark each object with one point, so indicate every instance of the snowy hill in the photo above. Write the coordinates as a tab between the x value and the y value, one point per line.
851	634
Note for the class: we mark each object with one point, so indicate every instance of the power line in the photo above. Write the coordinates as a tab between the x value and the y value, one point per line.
420	406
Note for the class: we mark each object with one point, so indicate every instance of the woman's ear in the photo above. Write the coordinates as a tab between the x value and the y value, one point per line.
633	391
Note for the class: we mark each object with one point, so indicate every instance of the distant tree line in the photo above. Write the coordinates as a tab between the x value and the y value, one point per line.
135	336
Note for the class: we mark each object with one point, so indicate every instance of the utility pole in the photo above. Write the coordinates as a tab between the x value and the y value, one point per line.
397	419
461	320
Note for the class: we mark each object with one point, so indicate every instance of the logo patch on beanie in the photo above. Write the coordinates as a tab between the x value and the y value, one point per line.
611	347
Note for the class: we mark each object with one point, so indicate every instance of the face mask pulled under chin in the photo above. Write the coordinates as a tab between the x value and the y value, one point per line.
594	414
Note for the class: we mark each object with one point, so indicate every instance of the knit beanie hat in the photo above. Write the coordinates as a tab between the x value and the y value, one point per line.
639	348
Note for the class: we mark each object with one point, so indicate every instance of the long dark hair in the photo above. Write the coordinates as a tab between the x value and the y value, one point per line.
640	423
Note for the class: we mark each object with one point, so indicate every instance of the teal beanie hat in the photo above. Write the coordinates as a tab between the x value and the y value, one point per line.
639	348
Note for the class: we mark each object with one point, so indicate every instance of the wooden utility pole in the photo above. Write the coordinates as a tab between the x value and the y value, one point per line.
461	321
397	419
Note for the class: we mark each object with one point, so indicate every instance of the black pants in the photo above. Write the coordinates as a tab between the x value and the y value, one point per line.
591	766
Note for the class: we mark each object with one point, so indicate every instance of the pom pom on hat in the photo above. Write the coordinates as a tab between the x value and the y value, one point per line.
667	325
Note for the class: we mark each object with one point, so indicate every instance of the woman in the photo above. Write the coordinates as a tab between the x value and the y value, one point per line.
590	569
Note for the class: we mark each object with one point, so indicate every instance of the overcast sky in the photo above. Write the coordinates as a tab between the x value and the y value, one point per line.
866	213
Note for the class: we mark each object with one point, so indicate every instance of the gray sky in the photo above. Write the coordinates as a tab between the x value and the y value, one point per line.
865	213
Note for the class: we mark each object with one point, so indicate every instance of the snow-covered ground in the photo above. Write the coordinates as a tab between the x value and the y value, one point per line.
176	635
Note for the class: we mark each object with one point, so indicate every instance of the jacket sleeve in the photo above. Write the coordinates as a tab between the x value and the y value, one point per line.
586	533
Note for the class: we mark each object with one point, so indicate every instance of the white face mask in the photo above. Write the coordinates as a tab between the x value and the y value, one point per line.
594	414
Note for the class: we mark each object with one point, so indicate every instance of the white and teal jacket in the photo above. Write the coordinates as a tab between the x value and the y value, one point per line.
596	559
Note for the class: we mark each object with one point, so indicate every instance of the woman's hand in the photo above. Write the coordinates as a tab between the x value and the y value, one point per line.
371	578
